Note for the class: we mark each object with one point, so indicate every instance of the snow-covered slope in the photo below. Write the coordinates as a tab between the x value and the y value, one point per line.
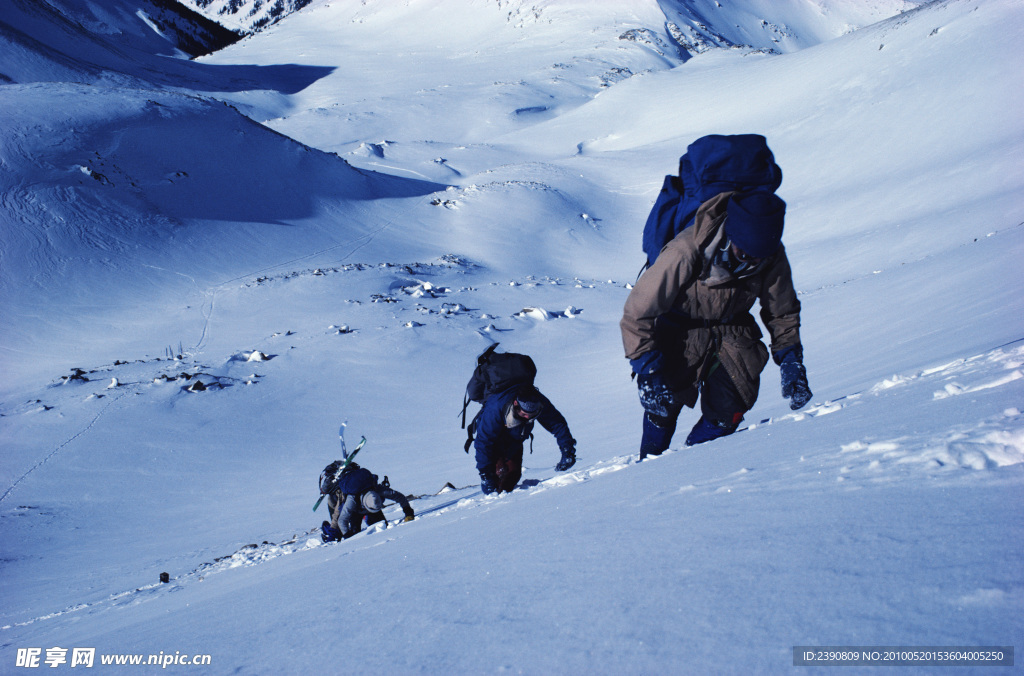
83	41
415	194
153	186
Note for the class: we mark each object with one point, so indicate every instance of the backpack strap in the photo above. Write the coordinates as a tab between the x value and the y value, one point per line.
471	432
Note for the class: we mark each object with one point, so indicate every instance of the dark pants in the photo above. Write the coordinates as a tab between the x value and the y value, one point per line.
721	409
509	471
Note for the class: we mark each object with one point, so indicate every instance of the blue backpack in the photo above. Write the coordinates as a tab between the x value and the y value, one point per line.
712	164
356	480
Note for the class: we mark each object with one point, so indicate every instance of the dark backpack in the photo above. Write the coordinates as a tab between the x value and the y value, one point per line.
356	480
495	372
712	164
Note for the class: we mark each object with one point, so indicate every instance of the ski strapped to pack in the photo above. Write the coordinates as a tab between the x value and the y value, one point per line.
328	482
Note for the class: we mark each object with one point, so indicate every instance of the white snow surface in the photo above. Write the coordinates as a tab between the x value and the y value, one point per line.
205	271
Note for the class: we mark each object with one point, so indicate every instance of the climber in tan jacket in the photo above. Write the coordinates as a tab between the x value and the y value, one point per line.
687	328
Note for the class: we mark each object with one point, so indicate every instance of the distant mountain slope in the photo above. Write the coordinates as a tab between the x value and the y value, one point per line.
690	26
779	26
135	44
247	15
83	42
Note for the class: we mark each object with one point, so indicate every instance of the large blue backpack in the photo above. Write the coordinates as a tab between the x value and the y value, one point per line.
356	480
712	164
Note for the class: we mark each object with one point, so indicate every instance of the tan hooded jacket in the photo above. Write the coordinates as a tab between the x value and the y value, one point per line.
665	310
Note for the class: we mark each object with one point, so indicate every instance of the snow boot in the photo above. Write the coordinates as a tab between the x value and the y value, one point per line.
706	430
656	436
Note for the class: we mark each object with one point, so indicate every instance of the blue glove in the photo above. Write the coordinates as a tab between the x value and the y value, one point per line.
647	363
794	377
568	459
329	533
488	482
656	396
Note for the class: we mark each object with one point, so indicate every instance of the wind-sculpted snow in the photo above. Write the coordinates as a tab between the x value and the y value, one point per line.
995	441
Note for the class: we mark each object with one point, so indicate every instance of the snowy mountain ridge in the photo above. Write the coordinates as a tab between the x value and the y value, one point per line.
688	28
247	16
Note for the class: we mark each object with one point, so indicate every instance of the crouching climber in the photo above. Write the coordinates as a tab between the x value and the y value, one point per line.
353	495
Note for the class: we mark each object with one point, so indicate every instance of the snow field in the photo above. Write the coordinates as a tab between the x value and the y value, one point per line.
398	187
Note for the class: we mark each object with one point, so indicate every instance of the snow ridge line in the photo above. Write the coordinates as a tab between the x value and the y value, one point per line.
54	452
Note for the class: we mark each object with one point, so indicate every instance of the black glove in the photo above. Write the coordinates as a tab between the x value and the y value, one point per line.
488	482
568	459
794	377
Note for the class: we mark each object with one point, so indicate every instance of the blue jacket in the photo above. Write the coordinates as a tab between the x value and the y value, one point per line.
496	440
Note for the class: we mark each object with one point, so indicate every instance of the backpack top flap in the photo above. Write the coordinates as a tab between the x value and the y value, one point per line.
712	164
715	164
507	370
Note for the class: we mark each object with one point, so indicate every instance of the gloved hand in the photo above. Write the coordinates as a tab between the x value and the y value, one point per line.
488	482
648	363
656	396
568	459
794	377
408	518
329	533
